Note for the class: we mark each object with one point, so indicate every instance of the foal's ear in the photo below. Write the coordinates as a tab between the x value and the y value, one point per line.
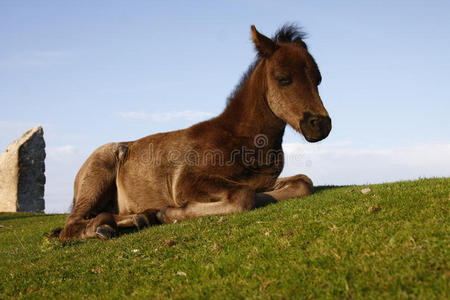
263	44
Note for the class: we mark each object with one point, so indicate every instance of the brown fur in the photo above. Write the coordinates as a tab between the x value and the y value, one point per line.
223	165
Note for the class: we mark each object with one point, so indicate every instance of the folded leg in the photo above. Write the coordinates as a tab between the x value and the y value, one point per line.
216	196
286	188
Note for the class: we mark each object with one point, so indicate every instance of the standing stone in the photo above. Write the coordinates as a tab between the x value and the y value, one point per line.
22	177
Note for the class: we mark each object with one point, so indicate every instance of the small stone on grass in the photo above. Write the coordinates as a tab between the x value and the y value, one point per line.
366	191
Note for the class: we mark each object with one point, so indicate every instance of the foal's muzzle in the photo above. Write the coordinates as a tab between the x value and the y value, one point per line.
315	127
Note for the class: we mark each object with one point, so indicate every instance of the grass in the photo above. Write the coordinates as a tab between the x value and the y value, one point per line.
338	243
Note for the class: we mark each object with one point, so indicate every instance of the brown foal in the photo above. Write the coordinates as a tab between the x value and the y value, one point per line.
227	164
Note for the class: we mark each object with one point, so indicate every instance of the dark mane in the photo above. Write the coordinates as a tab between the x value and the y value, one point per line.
288	33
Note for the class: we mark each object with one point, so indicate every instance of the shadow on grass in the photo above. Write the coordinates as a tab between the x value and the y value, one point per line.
319	189
130	230
263	200
52	235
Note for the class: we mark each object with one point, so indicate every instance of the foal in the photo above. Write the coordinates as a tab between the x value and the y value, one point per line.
227	164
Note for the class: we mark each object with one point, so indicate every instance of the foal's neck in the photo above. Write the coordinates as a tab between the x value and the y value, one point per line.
248	113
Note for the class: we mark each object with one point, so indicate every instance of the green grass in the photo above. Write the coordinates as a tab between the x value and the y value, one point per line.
333	244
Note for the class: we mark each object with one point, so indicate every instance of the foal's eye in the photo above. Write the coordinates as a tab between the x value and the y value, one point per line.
283	81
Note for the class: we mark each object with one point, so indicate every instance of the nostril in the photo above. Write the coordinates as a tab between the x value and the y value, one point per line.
314	121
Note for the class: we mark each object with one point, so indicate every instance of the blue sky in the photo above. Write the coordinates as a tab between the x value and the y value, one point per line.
92	72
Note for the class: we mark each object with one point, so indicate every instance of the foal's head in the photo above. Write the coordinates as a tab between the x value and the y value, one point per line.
292	78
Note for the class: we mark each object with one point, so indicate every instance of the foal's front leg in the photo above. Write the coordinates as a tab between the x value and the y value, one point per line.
235	198
286	188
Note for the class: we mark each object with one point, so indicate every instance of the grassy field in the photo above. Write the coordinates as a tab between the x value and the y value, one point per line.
339	243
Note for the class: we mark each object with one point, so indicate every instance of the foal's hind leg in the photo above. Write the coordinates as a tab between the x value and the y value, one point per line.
94	192
286	188
102	226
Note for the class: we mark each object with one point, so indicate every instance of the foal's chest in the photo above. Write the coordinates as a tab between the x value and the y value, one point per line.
262	177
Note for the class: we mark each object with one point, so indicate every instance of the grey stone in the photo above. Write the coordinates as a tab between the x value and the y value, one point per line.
22	173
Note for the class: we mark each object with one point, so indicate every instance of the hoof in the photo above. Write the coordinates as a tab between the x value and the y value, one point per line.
161	216
104	232
140	221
